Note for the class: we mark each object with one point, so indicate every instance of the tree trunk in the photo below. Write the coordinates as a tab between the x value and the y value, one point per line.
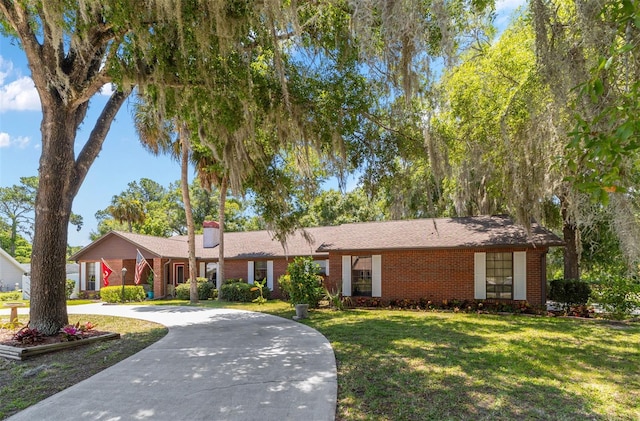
221	207
48	308
571	238
191	230
14	236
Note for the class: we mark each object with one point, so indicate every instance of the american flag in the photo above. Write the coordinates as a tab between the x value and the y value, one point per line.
140	262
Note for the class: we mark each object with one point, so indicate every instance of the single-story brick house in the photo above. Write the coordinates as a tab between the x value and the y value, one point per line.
484	257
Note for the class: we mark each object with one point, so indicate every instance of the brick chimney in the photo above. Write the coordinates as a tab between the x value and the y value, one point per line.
211	234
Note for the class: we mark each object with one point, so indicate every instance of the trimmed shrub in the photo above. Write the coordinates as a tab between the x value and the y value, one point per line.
69	287
114	294
618	295
10	296
239	291
205	290
569	292
304	285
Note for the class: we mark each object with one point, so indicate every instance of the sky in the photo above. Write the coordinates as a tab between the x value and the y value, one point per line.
122	158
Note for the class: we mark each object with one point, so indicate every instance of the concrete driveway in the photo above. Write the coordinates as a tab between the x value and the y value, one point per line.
214	364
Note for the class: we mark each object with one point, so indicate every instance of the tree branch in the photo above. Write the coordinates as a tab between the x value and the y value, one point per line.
96	138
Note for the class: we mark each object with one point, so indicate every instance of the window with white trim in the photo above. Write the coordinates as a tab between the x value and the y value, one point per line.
322	270
91	276
361	276
500	275
260	270
211	270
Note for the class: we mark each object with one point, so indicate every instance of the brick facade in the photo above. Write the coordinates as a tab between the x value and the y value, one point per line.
438	274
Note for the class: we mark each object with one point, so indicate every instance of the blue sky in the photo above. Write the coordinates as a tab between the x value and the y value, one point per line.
121	160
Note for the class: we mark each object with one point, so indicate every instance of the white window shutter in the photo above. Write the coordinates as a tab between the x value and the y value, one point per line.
326	271
480	276
250	272
98	272
83	276
346	276
203	270
376	275
520	275
270	274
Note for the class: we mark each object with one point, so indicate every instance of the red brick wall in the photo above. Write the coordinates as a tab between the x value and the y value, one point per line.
436	274
238	269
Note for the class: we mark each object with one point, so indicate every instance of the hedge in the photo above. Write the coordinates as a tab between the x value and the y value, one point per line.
206	290
239	291
10	296
114	294
569	292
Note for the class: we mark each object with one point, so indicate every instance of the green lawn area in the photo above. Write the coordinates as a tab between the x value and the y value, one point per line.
417	366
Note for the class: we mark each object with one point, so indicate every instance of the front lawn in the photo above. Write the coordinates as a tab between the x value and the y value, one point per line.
404	365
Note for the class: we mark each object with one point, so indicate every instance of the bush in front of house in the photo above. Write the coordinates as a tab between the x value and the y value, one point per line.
302	284
69	287
618	295
114	294
10	296
205	290
569	292
239	291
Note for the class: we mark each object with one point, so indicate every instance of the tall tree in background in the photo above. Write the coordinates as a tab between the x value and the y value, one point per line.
16	206
127	209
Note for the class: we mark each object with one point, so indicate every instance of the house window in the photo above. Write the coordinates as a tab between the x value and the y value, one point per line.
500	275
322	270
260	270
211	271
179	273
91	277
361	276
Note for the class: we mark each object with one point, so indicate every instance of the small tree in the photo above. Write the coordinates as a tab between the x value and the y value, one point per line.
304	285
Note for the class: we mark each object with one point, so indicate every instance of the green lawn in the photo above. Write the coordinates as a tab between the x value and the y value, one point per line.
403	365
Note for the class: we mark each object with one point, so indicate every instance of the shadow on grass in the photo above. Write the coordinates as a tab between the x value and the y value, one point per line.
445	366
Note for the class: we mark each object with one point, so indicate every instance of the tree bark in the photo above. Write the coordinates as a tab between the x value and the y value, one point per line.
186	199
221	208
571	238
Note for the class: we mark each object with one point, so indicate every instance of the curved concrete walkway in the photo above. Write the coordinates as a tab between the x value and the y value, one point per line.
214	364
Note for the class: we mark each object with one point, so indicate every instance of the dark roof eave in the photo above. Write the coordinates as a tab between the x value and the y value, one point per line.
461	247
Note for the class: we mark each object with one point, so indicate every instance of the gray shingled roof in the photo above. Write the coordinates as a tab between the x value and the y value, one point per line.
469	232
237	245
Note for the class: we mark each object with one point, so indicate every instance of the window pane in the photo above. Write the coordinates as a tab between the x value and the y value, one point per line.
260	270
361	276
499	275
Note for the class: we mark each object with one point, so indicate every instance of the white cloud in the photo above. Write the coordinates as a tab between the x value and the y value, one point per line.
6	141
19	95
107	89
17	92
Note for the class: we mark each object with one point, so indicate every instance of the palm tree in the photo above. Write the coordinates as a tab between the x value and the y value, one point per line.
127	209
159	135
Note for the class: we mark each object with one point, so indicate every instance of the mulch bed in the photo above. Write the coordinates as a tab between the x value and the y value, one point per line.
6	338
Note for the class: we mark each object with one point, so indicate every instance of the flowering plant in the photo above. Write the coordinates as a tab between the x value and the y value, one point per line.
87	326
71	332
28	335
